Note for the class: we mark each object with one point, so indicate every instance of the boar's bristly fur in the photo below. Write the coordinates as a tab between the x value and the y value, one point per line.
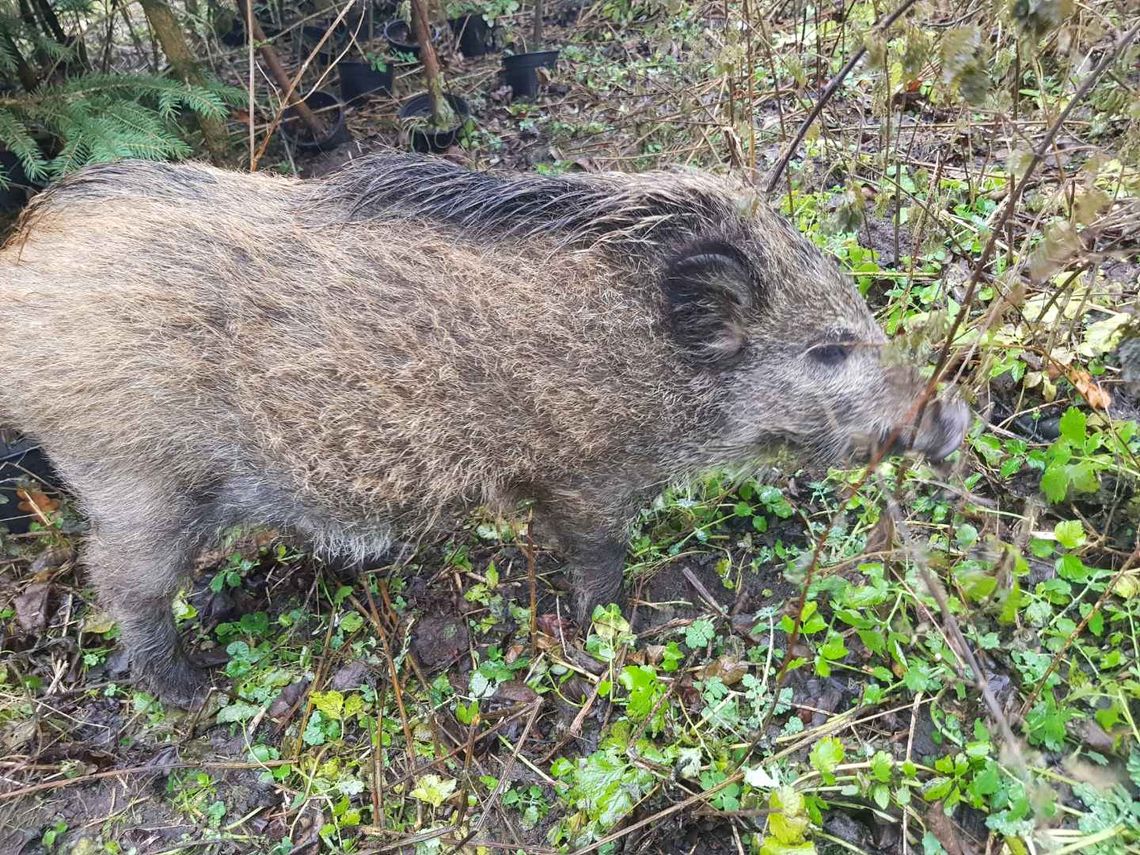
198	349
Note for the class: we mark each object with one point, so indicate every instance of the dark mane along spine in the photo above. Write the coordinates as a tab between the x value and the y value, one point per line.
490	206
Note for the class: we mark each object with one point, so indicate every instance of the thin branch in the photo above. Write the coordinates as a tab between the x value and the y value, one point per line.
1019	189
954	631
832	87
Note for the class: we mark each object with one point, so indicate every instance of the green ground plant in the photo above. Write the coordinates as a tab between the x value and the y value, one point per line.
907	658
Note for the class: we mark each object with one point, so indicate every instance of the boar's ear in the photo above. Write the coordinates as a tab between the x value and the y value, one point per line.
708	291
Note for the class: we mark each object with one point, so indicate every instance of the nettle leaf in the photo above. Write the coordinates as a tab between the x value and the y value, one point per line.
1039	17
1059	247
916	52
834	648
1087	205
976	580
434	790
1073	425
607	787
882	764
811	621
331	704
965	63
1070	534
1055	482
1083	477
826	755
1046	723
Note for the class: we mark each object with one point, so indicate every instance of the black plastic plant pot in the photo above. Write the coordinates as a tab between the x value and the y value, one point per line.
402	38
417	110
359	81
475	37
235	36
328	111
311	35
20	460
520	71
15	195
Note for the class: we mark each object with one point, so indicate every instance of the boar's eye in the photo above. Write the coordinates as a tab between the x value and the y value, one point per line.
830	353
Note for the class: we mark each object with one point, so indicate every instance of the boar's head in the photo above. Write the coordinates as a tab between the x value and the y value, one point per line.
797	355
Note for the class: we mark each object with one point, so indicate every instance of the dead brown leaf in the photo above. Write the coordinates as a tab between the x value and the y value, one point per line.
947	832
31	607
1097	396
37	503
730	669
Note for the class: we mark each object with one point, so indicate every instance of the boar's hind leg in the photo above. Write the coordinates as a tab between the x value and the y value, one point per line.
139	553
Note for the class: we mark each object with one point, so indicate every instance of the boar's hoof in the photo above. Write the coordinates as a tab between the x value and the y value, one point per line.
176	682
584	605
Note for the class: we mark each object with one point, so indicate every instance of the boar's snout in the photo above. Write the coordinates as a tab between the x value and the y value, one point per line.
940	430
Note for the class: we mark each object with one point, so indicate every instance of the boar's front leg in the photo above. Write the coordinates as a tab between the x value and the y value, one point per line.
592	534
139	553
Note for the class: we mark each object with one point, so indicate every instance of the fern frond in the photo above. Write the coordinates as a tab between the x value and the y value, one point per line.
54	50
73	155
7	58
232	96
15	136
100	117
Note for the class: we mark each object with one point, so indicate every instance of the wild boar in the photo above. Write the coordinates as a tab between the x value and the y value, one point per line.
198	349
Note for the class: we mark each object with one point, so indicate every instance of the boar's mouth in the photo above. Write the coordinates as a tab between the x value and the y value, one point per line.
938	434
